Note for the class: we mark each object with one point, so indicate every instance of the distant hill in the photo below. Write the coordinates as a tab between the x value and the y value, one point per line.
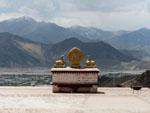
105	55
94	34
135	40
129	40
139	54
37	31
20	52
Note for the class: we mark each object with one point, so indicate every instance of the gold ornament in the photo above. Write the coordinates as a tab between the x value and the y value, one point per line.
75	56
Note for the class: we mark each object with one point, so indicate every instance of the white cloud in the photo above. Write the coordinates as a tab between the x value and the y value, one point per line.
3	4
107	21
4	16
106	14
37	9
67	21
106	6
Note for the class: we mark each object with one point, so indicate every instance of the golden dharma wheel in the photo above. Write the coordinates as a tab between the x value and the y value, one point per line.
75	56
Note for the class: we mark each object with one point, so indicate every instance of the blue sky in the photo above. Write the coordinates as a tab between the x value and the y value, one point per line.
105	14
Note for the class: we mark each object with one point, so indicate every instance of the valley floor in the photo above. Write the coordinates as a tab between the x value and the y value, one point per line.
42	100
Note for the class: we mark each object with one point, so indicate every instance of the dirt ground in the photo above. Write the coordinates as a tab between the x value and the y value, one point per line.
42	100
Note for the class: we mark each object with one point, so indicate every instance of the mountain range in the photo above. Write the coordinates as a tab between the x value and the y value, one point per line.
52	33
37	31
129	40
16	51
26	42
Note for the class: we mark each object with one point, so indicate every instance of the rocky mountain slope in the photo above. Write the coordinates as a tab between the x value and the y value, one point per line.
18	51
52	33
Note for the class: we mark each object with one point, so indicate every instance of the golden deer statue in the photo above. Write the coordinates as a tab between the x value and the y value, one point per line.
90	63
60	63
